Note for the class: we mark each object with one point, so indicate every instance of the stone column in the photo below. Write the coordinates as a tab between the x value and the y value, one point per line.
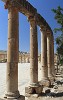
49	55
44	68
34	85
52	48
33	53
12	54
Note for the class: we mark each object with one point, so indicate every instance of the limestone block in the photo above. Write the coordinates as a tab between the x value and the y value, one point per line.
52	80
39	89
45	83
29	90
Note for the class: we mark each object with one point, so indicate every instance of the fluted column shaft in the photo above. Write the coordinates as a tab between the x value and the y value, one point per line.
12	54
33	52
44	69
49	55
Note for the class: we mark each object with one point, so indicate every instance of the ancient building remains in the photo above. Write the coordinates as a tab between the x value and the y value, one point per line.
47	48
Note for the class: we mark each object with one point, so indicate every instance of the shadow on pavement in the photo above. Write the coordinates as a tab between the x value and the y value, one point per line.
52	94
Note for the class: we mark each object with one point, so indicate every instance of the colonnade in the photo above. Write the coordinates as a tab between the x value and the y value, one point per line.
47	54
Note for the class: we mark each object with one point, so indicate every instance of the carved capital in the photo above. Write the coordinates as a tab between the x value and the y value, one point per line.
9	4
6	4
43	30
33	19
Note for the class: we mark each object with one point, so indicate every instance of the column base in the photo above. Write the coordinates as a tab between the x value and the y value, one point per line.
52	79
21	97
45	82
33	89
11	95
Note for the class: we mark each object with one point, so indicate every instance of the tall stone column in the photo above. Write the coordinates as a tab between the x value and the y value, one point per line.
33	53
12	54
34	85
44	68
52	48
49	55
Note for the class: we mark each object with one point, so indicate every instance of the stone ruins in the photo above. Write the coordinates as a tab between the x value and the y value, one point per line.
47	49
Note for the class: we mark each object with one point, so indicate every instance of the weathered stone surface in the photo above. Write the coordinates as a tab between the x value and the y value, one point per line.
33	51
52	79
13	49
39	89
12	54
46	90
27	95
52	54
29	90
49	56
45	83
33	90
44	69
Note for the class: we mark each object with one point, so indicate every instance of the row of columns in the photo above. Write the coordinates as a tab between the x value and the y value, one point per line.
13	51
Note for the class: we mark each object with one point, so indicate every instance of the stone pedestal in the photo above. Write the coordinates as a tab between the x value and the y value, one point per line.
45	82
12	54
33	90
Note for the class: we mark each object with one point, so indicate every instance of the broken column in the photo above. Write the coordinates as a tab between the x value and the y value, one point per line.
12	54
44	68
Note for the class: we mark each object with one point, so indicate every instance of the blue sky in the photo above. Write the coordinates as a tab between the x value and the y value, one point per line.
43	7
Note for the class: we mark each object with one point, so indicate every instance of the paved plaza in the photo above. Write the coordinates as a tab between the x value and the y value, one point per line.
24	78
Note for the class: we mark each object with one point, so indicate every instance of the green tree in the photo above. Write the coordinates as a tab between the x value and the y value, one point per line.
59	18
59	40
